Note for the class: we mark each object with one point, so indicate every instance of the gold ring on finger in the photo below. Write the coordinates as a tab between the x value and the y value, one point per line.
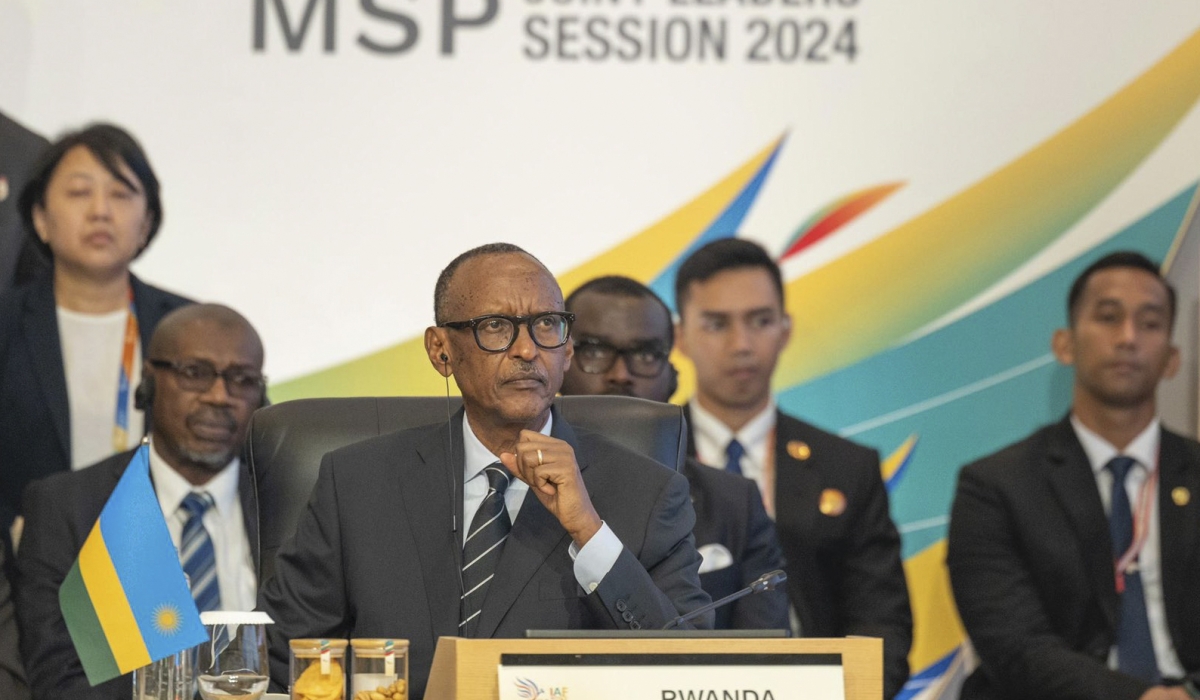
539	458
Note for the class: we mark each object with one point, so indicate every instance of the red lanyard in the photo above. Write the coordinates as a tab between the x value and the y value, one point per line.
1126	563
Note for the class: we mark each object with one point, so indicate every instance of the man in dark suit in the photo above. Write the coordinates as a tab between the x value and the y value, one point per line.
1074	554
845	576
202	380
19	150
623	336
505	519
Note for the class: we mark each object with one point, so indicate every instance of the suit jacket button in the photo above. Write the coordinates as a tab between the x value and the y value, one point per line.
627	616
635	625
621	606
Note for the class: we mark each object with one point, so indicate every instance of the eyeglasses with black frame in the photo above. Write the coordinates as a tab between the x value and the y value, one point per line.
498	332
200	375
597	357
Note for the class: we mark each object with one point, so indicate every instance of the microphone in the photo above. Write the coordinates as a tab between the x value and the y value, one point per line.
767	582
454	493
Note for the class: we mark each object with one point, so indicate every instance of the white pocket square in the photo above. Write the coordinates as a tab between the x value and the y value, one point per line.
714	558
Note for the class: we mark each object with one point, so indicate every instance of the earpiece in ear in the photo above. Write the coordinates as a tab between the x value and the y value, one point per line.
143	396
444	358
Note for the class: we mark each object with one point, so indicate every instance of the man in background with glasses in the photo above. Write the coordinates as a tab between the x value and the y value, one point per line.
499	520
202	379
623	336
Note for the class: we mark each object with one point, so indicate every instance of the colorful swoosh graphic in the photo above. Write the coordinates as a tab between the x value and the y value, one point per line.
895	464
878	294
835	215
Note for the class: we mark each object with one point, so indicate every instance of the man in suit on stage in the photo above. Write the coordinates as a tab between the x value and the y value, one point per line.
500	520
1075	554
202	379
826	493
623	336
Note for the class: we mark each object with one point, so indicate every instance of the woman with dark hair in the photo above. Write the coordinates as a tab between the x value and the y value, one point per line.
71	341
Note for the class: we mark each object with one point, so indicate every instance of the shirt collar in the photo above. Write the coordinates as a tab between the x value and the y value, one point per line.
1143	448
754	432
172	488
476	457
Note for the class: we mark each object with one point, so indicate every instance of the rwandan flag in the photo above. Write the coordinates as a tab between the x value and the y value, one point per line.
126	601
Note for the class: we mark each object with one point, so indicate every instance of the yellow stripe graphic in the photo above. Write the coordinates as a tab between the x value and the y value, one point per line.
939	629
644	255
895	460
112	607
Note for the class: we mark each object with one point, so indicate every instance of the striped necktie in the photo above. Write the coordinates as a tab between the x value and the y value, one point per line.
1135	646
197	554
481	551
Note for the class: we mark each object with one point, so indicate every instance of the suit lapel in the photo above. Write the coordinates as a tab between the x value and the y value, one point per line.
797	483
425	490
151	308
40	326
797	494
1179	468
691	469
691	437
1074	484
535	535
248	495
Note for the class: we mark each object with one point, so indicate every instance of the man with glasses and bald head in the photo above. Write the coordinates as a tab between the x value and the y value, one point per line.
201	381
502	519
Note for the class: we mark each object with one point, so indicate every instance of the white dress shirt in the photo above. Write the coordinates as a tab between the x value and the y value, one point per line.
756	436
91	348
224	521
592	563
1144	450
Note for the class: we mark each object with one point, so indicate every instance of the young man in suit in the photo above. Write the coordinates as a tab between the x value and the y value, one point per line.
202	379
623	336
825	493
501	520
1075	554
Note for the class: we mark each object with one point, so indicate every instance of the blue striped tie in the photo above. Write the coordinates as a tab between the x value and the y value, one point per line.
197	553
481	551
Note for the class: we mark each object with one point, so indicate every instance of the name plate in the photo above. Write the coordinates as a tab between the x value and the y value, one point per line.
671	677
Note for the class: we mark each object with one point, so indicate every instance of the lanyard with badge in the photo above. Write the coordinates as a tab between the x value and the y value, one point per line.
128	351
1127	563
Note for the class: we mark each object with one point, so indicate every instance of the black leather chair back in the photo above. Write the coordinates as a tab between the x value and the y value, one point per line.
288	440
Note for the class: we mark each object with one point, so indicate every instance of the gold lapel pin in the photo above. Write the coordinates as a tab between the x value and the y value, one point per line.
1181	495
798	449
833	502
3	188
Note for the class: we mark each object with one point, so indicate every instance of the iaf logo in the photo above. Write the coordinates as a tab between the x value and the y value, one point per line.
528	689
